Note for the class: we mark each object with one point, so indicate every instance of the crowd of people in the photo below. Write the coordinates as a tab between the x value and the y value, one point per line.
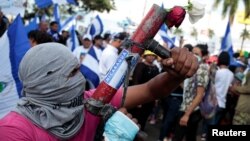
177	86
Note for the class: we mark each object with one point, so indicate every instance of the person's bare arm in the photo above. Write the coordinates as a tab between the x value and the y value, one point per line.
185	65
196	101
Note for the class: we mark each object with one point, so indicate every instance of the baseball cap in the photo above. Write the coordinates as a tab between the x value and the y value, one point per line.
148	52
120	36
106	36
97	37
87	37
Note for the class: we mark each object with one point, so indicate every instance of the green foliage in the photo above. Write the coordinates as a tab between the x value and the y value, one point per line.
98	5
230	7
194	33
245	34
210	33
83	5
178	32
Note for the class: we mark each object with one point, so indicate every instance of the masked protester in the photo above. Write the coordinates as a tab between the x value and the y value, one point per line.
52	109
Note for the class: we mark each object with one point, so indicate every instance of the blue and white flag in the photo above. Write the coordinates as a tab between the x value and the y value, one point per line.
90	67
14	45
33	24
163	32
57	15
68	23
73	38
96	27
226	44
46	3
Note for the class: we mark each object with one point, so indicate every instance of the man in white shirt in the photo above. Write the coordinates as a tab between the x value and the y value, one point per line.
97	45
110	53
106	39
223	79
84	48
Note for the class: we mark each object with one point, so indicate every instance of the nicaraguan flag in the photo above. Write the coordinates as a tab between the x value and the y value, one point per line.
57	15
226	44
71	21
14	45
73	38
96	27
163	32
33	24
46	3
90	67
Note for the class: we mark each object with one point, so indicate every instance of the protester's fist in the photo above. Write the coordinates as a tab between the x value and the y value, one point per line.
182	63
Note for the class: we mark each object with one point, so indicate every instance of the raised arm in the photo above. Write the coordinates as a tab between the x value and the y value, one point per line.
183	64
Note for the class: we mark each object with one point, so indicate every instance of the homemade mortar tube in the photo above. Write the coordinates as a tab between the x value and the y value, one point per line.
115	77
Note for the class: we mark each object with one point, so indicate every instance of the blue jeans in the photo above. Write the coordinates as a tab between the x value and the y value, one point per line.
171	105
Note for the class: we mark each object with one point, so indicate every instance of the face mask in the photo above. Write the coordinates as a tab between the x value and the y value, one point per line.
199	58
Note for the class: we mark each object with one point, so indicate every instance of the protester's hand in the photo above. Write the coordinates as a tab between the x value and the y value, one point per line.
184	120
182	63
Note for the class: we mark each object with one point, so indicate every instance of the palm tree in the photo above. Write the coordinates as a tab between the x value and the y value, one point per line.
210	33
245	34
178	32
231	6
194	33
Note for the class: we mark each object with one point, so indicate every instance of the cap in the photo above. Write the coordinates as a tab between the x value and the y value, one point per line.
106	36
87	36
148	52
120	36
97	37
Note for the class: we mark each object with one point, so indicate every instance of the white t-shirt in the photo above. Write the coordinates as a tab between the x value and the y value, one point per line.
223	79
79	50
108	58
98	52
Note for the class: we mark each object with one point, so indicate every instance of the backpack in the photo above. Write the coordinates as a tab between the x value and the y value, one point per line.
209	102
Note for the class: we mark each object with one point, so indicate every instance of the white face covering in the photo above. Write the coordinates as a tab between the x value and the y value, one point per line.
53	89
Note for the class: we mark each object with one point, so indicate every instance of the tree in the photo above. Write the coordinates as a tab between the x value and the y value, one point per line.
82	5
194	33
231	6
178	32
210	33
245	34
98	5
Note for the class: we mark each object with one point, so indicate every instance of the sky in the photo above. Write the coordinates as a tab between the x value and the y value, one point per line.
137	9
